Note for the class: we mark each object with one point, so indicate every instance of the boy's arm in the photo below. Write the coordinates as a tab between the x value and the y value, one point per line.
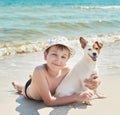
50	100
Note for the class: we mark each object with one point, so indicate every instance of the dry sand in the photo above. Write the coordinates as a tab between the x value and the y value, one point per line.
14	104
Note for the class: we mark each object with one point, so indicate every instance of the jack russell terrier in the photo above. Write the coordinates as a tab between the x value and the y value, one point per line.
74	81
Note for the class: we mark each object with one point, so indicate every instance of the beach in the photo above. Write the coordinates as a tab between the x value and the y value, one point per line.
25	29
17	105
18	68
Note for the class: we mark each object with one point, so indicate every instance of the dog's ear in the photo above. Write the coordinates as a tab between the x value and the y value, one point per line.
83	42
100	45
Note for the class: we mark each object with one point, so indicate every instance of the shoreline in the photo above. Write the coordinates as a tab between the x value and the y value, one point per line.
26	47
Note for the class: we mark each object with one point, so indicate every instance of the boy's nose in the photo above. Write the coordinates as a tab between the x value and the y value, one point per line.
58	60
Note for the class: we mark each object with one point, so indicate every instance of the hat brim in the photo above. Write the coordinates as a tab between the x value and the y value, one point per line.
72	51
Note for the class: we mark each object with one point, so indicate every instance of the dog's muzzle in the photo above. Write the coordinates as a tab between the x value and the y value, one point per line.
94	56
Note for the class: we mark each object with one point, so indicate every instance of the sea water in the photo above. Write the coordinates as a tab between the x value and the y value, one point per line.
26	24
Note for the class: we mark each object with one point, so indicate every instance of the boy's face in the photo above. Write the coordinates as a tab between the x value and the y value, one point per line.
56	58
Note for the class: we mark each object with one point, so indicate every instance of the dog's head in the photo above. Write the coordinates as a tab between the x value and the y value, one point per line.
91	49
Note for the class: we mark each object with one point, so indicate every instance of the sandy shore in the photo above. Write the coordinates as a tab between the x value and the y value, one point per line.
18	68
13	104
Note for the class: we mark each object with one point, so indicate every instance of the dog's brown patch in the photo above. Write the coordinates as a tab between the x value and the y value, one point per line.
97	46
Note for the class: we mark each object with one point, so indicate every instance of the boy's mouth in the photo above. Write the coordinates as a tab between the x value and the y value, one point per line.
58	65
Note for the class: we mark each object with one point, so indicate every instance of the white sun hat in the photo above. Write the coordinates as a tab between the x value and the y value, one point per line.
60	40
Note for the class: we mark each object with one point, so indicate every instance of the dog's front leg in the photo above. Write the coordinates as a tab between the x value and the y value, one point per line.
88	93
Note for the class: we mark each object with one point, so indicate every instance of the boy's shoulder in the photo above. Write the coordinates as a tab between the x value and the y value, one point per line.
66	68
39	67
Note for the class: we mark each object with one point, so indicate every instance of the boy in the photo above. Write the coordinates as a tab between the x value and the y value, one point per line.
48	76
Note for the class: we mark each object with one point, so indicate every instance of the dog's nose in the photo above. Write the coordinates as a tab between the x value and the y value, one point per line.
94	54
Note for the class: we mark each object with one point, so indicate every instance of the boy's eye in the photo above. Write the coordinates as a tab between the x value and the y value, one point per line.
54	54
64	57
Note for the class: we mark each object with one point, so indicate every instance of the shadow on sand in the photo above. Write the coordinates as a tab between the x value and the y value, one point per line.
32	107
28	107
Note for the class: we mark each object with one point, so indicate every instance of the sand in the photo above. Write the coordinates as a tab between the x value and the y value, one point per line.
17	68
14	104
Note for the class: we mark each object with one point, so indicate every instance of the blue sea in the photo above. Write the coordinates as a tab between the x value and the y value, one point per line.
26	24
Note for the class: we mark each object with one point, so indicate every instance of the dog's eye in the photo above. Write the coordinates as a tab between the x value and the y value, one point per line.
89	49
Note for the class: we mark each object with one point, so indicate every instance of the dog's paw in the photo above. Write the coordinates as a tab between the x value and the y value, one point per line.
87	103
100	96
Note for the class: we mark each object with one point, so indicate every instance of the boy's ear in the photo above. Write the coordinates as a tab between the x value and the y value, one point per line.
45	55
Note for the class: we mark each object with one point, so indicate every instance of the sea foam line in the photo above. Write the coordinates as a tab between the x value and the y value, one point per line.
7	49
96	7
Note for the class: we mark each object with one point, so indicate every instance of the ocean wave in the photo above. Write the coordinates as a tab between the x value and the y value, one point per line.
68	25
96	7
7	49
20	48
105	38
91	24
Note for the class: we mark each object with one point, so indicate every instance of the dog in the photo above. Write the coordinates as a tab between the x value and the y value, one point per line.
74	80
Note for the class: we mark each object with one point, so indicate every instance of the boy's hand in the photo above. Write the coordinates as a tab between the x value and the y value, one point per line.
93	82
